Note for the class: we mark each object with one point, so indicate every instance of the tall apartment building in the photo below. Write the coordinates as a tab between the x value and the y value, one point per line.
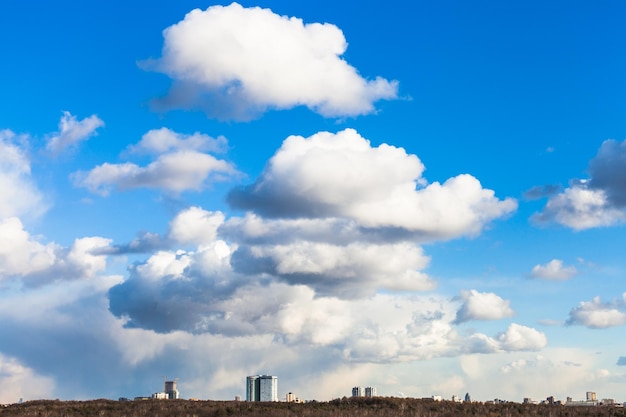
170	390
591	396
357	391
370	392
262	388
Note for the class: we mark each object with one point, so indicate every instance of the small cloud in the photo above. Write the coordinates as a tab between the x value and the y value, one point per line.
516	338
541	191
599	201
159	141
73	131
482	306
179	166
522	338
553	270
596	314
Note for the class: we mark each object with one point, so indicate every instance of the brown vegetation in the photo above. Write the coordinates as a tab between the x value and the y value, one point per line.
346	407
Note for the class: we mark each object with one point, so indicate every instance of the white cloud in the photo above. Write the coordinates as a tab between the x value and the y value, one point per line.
482	306
518	338
159	141
561	372
579	208
174	172
351	270
599	201
378	187
596	314
34	263
73	131
236	62
195	226
20	254
514	339
19	195
553	270
19	381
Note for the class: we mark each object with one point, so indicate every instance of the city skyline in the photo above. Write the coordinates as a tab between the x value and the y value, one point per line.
428	198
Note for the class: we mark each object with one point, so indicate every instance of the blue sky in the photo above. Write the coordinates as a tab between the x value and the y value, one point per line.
350	193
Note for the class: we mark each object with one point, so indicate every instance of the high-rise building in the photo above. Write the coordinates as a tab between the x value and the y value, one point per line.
370	392
591	396
357	391
170	390
468	399
262	388
252	392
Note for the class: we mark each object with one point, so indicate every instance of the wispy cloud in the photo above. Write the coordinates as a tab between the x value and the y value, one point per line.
72	131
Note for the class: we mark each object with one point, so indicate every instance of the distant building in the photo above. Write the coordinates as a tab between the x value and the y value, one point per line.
456	399
290	397
370	392
170	390
237	397
357	391
468	399
262	388
591	396
159	396
436	398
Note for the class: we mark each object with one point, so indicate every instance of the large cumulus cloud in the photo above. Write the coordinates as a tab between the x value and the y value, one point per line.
235	63
597	201
342	175
305	293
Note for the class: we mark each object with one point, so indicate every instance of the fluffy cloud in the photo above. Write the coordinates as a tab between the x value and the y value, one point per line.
195	226
518	337
236	62
553	270
595	202
353	270
482	306
378	187
580	207
596	314
179	165
19	194
35	263
73	131
20	254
